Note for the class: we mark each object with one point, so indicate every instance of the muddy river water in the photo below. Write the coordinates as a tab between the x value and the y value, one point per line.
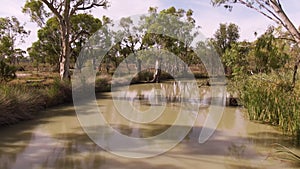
56	139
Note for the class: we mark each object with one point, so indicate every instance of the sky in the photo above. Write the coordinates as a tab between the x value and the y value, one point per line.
206	16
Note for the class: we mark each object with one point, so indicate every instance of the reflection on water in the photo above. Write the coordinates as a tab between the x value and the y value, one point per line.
57	141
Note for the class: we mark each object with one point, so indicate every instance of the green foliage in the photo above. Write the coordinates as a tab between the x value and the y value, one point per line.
269	98
237	58
48	48
265	55
269	53
22	101
36	11
7	72
57	93
171	29
224	37
11	34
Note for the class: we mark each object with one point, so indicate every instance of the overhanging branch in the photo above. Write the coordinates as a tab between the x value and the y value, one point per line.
259	11
103	3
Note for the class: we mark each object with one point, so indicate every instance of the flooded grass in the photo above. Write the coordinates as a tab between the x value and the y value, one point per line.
290	155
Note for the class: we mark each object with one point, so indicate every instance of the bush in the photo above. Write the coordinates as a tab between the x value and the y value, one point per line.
102	85
57	93
7	72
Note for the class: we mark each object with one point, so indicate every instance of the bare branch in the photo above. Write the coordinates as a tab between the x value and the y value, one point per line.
258	10
286	38
103	3
82	32
76	6
50	5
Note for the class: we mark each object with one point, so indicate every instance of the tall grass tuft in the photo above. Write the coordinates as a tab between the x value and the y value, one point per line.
272	100
20	102
57	93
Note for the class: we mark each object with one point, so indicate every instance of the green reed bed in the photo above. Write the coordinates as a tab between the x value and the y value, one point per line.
272	100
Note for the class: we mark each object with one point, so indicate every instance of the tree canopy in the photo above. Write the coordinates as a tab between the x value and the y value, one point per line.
64	12
12	33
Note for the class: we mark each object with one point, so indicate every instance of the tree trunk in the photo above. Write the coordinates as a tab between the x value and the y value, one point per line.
296	66
64	61
156	76
292	30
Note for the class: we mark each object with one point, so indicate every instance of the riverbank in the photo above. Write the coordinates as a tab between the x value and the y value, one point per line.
56	140
273	100
24	99
19	102
33	92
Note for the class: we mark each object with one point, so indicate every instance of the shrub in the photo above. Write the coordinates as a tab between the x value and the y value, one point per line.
7	72
102	84
57	93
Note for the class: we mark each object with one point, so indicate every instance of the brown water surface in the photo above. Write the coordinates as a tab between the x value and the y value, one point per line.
57	141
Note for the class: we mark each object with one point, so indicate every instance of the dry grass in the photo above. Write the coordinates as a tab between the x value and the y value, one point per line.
21	101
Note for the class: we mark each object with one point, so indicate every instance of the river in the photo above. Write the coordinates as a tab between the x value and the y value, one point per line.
56	139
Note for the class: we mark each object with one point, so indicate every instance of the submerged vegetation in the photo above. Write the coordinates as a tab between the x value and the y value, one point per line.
284	153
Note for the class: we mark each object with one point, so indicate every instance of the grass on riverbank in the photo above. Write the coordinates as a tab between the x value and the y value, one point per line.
271	99
20	102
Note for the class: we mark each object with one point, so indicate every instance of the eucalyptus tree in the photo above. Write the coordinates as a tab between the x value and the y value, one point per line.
12	33
63	10
224	38
48	47
273	10
270	53
131	41
161	26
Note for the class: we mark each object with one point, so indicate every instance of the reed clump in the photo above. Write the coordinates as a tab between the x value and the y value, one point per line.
272	100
